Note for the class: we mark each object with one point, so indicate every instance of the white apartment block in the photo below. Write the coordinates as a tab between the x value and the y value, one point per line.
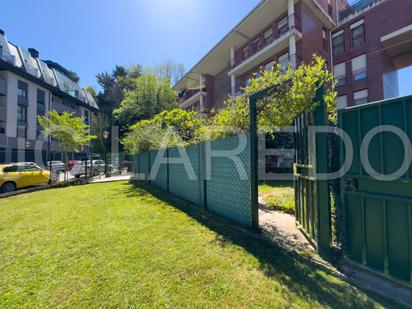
30	87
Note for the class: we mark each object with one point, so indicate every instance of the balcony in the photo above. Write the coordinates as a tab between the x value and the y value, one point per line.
293	61
49	80
7	57
191	96
356	8
3	87
32	70
263	47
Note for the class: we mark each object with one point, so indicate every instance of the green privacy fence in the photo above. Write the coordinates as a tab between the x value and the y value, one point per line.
220	184
377	213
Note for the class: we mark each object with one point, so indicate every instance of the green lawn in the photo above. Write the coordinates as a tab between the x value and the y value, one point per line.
111	245
278	197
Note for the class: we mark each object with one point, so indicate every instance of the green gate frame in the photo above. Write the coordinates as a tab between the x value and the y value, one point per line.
323	238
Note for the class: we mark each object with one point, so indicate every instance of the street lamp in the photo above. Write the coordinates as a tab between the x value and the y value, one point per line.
105	137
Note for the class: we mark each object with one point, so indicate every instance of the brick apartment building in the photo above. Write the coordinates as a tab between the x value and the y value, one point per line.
364	45
30	87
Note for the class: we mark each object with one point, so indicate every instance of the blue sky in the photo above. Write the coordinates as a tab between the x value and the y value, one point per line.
92	36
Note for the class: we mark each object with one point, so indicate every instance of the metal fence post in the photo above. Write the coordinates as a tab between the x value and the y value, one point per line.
322	197
254	178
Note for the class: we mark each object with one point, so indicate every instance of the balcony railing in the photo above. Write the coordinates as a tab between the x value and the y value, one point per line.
49	80
293	61
356	7
257	44
187	94
32	70
5	56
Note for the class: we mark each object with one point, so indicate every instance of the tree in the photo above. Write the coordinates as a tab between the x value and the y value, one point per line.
92	92
150	95
114	85
169	128
170	70
100	125
71	132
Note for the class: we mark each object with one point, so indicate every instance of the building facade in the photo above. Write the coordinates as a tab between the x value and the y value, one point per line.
364	45
372	41
30	87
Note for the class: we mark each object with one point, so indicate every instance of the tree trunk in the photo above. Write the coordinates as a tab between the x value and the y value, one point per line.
66	162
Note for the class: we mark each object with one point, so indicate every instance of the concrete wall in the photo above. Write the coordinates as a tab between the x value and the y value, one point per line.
221	88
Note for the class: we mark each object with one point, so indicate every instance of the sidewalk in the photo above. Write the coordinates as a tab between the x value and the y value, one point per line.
103	179
281	228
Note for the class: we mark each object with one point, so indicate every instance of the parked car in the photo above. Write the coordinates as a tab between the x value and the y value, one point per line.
57	166
96	166
72	163
20	175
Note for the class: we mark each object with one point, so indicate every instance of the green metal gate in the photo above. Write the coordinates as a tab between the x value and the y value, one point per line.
377	213
311	194
312	203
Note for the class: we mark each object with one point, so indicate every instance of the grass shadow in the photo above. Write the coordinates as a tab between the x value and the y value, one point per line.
303	279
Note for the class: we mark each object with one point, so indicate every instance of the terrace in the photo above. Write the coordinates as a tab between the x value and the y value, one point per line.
267	39
356	8
190	96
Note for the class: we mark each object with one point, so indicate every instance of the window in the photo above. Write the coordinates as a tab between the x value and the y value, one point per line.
359	70
338	43
31	168
21	132
2	127
10	169
41	105
361	97
339	71
268	36
21	113
325	42
57	100
358	33
341	102
284	61
283	26
22	89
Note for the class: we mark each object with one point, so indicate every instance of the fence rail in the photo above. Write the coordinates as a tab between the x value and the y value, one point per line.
203	177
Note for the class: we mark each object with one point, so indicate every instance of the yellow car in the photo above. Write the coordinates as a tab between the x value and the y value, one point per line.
20	175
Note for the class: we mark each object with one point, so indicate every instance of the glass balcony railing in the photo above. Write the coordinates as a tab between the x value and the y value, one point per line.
32	70
50	80
5	56
356	7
